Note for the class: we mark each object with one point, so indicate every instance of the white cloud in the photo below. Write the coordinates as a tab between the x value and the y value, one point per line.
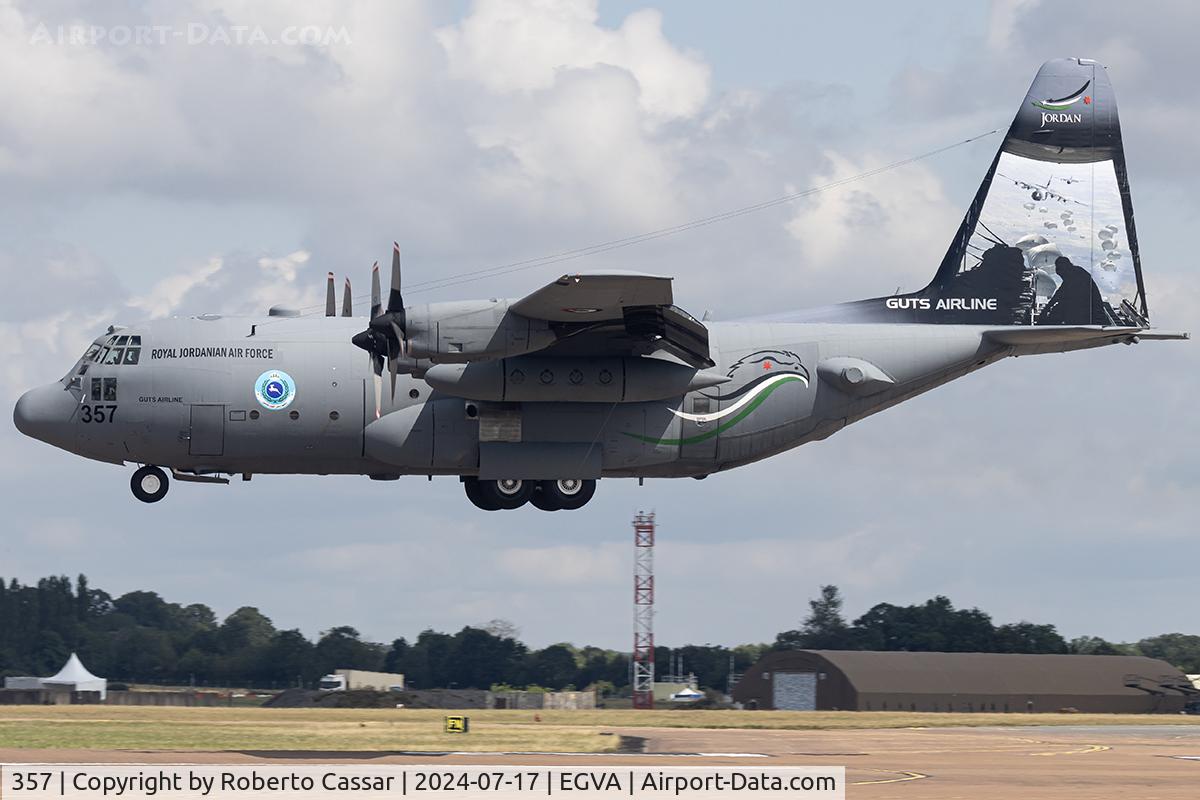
284	267
510	46
166	295
874	228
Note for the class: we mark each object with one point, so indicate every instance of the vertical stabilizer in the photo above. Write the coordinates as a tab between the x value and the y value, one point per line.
1049	238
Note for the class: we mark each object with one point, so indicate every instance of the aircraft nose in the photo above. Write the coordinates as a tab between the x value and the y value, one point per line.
43	412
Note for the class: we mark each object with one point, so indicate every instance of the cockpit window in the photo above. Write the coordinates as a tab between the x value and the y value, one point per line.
104	390
115	351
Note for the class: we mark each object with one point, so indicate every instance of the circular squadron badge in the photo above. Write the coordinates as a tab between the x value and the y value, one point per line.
275	389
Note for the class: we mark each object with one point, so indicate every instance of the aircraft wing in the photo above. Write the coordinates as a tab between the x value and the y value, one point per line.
594	297
616	314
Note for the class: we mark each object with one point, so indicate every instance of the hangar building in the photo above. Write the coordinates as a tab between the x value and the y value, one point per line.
860	680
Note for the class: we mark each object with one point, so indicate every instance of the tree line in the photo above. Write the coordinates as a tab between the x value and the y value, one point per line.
937	626
140	637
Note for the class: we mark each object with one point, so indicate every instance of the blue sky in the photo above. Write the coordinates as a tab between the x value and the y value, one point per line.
1057	489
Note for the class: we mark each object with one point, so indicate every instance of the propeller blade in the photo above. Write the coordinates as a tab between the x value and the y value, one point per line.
347	300
393	370
376	361
377	379
398	333
376	302
330	298
395	300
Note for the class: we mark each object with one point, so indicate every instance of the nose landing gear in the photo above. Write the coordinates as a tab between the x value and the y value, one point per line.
149	484
510	493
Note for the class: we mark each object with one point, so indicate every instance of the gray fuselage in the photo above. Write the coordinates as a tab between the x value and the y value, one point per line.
190	402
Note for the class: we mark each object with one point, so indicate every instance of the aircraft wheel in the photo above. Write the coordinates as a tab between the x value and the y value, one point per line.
149	484
480	499
508	493
568	493
546	501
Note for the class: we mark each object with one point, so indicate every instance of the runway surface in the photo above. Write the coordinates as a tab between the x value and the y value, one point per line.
1147	762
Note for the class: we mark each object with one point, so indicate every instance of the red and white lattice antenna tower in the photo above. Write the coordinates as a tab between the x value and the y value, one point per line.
642	664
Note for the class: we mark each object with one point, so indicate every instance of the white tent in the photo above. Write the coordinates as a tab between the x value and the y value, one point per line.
74	677
687	694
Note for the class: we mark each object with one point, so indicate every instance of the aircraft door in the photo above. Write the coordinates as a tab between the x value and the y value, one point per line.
698	429
207	433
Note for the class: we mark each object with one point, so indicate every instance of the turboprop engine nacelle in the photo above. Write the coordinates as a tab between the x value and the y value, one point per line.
579	380
458	332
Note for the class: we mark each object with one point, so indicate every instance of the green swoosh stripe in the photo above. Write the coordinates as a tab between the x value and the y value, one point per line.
700	437
1055	106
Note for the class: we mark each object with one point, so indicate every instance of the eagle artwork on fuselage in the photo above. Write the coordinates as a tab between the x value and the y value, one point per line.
601	375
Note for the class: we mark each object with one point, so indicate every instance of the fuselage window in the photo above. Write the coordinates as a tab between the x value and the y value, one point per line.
132	354
115	355
101	356
135	341
90	355
97	396
121	340
110	390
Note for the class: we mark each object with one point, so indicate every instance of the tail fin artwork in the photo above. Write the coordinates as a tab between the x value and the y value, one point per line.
1049	238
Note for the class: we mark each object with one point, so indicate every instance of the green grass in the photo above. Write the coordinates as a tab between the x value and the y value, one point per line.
157	728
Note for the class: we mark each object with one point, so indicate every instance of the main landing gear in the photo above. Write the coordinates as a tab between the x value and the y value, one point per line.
510	493
149	484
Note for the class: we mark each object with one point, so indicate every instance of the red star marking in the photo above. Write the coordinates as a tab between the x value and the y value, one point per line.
766	365
1087	101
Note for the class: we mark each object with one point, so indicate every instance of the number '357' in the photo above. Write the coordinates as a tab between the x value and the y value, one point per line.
97	413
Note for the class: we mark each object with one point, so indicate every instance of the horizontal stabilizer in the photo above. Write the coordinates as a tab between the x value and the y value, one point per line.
1023	336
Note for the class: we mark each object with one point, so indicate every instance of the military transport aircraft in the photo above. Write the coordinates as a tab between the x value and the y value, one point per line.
601	375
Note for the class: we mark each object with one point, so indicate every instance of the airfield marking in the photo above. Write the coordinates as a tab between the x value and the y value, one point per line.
1088	748
1091	748
907	775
